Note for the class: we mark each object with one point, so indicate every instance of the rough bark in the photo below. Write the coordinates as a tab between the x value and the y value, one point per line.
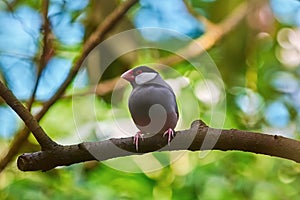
198	137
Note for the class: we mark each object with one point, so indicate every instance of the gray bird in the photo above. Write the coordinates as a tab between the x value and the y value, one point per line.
152	103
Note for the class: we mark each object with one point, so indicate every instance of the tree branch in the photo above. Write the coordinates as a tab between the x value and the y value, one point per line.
191	139
107	24
32	124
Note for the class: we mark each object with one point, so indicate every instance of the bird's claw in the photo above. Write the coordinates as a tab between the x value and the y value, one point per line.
136	139
171	135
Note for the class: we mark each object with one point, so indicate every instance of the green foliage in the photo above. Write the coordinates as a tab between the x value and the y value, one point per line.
220	175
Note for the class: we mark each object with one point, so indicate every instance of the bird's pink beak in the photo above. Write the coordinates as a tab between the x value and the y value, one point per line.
128	75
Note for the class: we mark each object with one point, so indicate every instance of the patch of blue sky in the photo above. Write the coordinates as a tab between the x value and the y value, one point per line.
20	32
70	5
20	75
52	77
8	121
277	114
167	14
286	11
67	31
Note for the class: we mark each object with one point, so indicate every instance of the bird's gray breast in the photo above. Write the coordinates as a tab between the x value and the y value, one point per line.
151	107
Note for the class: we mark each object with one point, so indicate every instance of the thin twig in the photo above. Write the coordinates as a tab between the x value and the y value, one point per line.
47	51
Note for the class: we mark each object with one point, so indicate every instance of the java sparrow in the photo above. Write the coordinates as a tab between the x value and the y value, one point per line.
152	103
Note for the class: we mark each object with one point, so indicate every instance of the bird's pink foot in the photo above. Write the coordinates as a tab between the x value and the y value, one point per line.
136	139
170	133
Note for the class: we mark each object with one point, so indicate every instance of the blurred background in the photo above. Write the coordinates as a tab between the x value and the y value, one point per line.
249	79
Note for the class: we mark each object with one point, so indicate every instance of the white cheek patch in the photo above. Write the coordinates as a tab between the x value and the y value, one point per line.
144	77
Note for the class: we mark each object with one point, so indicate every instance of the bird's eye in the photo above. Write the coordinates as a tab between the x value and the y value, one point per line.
138	72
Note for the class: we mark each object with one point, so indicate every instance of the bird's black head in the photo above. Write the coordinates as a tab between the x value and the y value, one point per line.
143	69
139	75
